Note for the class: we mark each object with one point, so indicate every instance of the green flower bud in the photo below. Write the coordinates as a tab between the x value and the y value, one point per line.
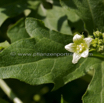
94	42
94	45
103	35
100	48
103	41
97	34
100	41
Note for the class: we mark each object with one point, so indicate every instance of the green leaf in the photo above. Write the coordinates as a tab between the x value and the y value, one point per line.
42	59
38	30
33	4
11	8
95	92
89	11
37	69
27	50
4	45
47	5
16	7
17	31
58	21
74	21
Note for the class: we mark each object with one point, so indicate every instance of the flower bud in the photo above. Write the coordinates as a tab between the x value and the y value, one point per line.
100	48
94	45
103	35
94	42
100	41
97	34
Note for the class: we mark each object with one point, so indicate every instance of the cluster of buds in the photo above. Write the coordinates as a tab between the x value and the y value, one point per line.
98	42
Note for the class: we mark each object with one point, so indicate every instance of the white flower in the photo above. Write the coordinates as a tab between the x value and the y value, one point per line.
80	47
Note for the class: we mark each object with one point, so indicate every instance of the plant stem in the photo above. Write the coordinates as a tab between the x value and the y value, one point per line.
9	92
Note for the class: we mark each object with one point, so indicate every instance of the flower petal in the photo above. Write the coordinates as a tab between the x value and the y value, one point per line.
85	53
71	47
78	39
76	57
88	41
